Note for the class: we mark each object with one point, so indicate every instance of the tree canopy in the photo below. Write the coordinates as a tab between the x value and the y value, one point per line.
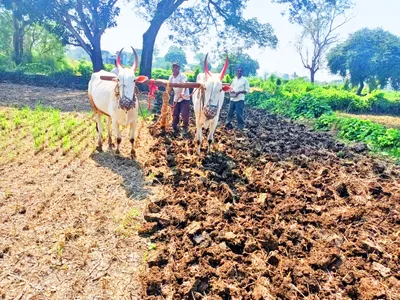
176	54
243	60
320	20
368	55
82	23
23	13
190	23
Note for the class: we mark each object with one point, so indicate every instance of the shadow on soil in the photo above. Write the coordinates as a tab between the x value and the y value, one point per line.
129	170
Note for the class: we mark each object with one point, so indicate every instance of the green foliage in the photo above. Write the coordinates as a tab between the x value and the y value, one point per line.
298	94
36	68
176	54
160	74
6	33
194	21
85	68
223	21
376	136
108	67
371	55
308	107
243	60
257	98
5	62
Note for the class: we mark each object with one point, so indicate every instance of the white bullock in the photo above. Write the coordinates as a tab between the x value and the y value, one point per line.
208	101
114	96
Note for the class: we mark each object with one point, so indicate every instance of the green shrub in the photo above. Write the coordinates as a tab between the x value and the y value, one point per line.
309	107
375	135
160	74
36	68
67	73
85	68
5	62
256	98
108	67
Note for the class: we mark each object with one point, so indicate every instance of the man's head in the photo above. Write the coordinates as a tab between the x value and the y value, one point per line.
175	68
239	72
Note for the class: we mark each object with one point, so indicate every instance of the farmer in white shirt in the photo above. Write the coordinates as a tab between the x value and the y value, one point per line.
240	87
181	100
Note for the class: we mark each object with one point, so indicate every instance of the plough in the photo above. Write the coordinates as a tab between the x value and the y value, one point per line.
166	107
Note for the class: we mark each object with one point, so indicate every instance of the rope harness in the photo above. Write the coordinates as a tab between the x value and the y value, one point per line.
124	102
210	111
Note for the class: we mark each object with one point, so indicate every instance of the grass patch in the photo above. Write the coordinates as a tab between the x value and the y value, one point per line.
377	137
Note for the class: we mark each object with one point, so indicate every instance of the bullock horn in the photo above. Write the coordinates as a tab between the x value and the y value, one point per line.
119	65
134	67
206	66
222	74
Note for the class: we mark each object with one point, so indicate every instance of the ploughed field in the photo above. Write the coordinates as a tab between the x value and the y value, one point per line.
278	212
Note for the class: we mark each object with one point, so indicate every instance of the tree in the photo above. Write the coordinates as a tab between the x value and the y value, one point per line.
6	32
368	55
243	60
195	20
319	27
42	44
159	62
24	13
76	53
176	54
82	23
297	7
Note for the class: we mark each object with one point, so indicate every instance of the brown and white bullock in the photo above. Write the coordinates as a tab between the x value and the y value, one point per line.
114	96
208	101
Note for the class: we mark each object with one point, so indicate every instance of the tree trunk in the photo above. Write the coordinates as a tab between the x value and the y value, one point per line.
312	75
96	57
360	88
18	40
149	38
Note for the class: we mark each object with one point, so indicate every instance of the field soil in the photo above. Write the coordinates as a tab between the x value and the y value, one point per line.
68	220
272	213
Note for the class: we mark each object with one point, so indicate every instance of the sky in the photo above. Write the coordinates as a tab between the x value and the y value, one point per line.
283	59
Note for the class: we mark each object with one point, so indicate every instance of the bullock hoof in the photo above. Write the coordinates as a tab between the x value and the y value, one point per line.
99	148
117	151
111	145
133	155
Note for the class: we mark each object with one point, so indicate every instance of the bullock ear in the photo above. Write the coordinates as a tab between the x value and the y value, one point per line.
226	88
141	78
